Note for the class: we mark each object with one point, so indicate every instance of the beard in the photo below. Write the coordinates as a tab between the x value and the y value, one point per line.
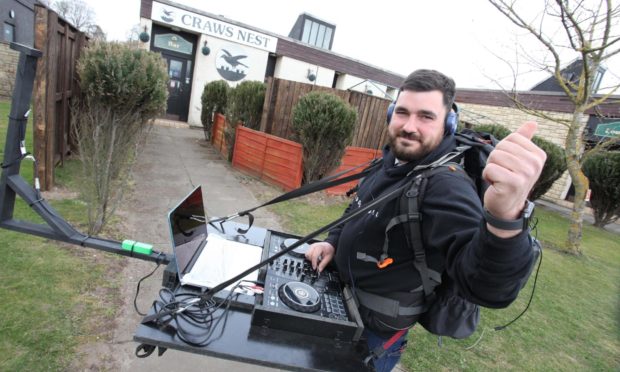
415	148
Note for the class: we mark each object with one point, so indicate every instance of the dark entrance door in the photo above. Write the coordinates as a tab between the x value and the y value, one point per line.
179	87
178	48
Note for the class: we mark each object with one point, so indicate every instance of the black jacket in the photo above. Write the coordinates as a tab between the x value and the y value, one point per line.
488	270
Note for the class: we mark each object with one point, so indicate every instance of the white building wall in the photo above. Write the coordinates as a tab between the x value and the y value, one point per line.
350	82
205	69
295	70
145	22
391	93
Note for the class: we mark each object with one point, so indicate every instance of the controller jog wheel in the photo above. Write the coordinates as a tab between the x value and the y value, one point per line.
300	296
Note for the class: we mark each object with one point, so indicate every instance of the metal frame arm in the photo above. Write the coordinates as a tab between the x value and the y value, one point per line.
13	185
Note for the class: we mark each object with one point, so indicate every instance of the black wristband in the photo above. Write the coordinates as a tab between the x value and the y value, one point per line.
518	224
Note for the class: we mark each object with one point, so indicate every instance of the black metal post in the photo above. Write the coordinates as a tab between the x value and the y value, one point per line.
20	107
12	184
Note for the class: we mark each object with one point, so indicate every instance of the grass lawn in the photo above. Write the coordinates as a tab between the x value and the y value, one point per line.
572	324
53	295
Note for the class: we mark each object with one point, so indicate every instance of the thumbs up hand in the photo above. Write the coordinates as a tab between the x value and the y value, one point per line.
512	169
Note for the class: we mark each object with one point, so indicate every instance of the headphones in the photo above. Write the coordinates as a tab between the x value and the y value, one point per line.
452	119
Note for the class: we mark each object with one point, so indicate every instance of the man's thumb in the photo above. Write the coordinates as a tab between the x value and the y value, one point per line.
528	129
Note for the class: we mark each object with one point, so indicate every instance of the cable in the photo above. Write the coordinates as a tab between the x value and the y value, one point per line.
193	319
477	341
135	299
535	229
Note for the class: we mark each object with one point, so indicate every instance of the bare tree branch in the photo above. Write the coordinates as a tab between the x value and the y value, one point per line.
510	13
588	28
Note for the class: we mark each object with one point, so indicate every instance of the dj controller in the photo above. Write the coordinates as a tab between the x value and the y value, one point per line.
298	298
295	297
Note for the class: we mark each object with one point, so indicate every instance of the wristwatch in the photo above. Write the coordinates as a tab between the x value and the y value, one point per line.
520	223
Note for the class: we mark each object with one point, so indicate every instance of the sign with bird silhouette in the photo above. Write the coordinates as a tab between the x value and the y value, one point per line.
187	20
231	63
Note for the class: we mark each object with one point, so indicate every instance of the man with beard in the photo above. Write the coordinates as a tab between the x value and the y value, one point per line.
460	236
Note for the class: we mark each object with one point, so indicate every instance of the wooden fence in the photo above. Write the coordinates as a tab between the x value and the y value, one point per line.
279	161
275	160
217	135
282	95
55	87
353	156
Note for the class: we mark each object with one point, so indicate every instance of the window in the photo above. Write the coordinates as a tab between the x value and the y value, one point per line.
306	34
320	36
328	38
313	32
317	34
9	32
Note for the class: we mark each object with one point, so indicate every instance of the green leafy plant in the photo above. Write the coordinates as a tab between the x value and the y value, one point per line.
554	167
245	105
497	130
123	79
603	172
324	124
214	99
122	89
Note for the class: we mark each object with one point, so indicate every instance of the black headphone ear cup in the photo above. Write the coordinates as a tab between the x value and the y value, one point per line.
451	123
390	111
452	120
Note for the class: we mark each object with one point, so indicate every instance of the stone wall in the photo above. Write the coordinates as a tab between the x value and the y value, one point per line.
512	118
8	66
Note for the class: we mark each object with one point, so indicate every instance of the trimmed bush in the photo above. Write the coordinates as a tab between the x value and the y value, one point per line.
245	105
603	171
124	79
214	99
122	89
498	131
324	125
554	167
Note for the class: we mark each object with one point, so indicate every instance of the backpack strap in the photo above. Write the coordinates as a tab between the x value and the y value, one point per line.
410	201
387	306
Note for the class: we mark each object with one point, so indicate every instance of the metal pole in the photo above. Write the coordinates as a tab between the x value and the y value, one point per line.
12	184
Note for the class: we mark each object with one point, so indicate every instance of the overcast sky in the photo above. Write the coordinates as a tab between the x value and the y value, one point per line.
467	40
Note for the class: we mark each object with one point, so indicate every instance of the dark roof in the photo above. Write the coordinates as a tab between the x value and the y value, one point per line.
571	73
549	101
324	58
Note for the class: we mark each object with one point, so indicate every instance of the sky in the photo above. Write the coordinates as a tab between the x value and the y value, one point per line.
468	40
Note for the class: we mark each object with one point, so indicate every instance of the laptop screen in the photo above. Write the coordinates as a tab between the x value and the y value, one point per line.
203	262
188	229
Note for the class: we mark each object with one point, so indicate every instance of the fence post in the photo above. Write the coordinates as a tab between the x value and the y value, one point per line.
266	105
40	138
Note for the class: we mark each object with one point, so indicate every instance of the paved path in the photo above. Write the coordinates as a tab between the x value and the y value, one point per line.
173	162
612	227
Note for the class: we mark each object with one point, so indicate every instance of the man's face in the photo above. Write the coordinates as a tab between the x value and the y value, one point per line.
417	124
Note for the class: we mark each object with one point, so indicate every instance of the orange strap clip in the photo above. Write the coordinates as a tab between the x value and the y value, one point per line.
385	263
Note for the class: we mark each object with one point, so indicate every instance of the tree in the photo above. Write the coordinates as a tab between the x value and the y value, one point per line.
80	15
588	33
214	99
121	90
324	125
603	171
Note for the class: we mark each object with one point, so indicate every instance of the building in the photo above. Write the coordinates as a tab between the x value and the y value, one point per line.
16	25
200	47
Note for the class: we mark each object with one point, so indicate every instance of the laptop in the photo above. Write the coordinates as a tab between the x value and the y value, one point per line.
206	257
